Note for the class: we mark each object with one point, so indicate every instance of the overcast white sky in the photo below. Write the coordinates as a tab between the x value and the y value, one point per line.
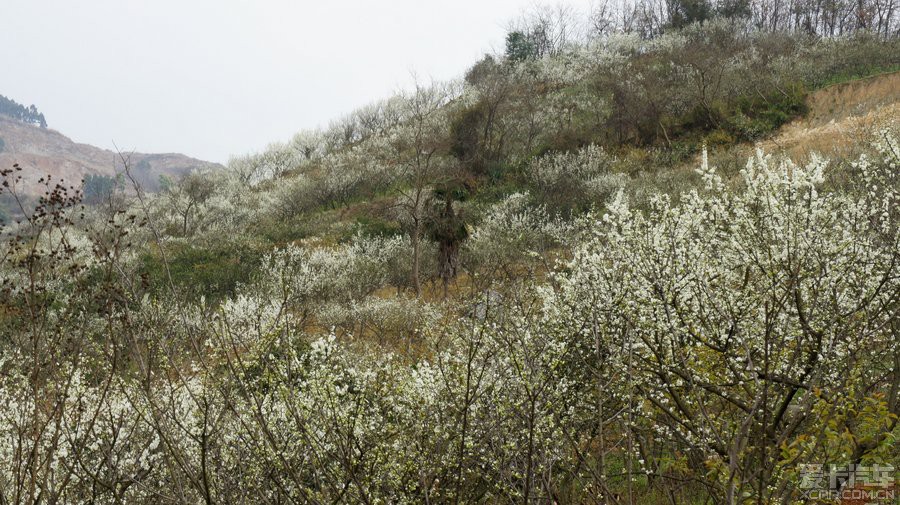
211	78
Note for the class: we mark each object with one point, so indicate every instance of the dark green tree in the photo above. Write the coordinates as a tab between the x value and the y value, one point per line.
519	47
447	227
99	188
734	9
685	12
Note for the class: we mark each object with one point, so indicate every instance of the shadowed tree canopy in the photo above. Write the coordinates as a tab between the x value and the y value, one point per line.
686	12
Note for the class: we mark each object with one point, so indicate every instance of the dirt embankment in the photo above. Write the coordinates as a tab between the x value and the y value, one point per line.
840	116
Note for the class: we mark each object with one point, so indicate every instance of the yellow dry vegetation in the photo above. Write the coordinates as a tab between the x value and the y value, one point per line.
839	117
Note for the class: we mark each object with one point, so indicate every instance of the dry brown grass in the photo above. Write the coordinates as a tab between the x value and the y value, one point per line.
840	117
853	98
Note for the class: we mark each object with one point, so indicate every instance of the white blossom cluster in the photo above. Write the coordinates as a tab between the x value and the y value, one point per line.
510	231
733	305
304	277
583	174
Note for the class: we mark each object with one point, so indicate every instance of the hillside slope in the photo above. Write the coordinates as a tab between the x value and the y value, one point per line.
516	288
43	151
839	115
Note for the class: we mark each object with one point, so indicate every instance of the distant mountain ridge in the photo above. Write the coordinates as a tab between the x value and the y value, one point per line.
44	151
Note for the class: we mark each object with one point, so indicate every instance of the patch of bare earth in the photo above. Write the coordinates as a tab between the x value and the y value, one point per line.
839	117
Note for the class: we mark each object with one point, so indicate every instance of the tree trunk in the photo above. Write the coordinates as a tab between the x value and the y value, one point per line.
417	253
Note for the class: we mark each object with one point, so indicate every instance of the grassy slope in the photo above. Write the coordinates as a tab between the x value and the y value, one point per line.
837	117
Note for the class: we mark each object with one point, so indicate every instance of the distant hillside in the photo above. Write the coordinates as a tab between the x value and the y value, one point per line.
42	151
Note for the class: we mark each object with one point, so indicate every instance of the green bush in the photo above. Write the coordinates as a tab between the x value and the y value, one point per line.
370	226
213	272
758	115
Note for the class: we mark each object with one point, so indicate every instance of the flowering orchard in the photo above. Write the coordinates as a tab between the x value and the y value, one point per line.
710	345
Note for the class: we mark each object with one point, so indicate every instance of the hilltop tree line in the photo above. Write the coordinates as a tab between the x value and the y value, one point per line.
15	110
548	30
